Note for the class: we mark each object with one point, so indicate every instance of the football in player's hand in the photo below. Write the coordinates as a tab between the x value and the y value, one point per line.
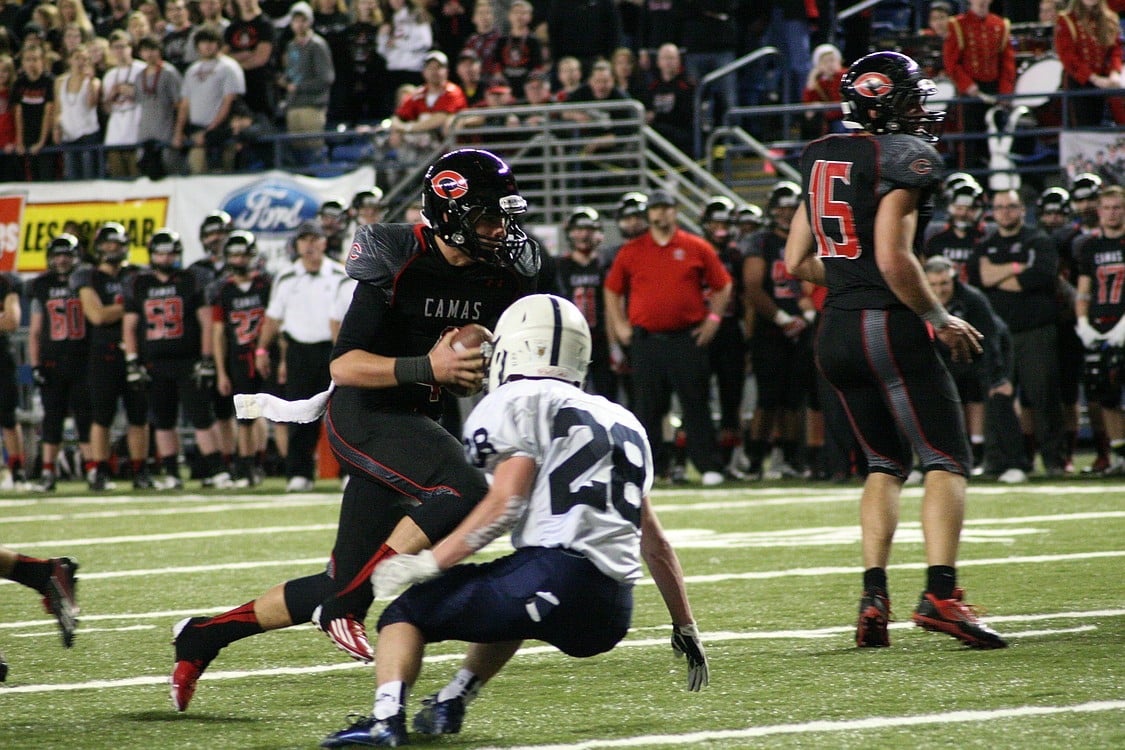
468	337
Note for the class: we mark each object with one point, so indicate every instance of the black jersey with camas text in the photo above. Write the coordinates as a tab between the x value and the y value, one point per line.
168	309
63	335
105	337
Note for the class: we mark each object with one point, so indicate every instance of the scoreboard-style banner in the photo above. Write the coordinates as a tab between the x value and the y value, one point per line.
270	204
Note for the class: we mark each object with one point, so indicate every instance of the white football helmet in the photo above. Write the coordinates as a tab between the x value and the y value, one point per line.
540	336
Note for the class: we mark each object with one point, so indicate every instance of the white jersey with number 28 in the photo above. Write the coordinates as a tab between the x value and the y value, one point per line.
594	466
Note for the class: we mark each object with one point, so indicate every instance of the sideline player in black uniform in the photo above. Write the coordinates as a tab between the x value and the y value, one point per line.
958	239
467	263
581	273
239	305
167	324
727	351
57	350
11	290
101	290
213	233
866	203
781	342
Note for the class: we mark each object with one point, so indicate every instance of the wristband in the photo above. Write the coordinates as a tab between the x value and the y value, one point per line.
810	315
414	370
130	357
714	318
261	351
937	317
782	318
1015	268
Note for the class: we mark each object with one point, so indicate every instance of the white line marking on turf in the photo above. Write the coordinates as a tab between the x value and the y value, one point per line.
54	633
177	509
950	718
536	650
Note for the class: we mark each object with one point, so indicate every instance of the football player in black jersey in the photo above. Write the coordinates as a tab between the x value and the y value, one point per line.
581	273
781	342
57	350
167	325
866	202
467	262
956	241
334	218
101	289
213	233
11	289
239	306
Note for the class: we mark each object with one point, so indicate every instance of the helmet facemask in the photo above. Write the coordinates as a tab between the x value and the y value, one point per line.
500	250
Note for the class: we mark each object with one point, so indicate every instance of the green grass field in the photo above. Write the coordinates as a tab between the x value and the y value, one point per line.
773	572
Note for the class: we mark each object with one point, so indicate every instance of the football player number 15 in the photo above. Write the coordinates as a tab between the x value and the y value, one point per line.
831	218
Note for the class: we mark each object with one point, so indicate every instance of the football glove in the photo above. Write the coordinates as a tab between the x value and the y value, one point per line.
401	571
1116	335
204	374
136	375
686	643
39	375
1087	333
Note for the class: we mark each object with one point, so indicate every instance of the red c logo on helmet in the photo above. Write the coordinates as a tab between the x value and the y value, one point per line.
449	184
873	85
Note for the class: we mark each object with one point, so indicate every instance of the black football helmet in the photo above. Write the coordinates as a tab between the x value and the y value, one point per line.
1053	200
952	180
968	194
885	92
718	208
583	216
63	253
464	186
111	232
631	204
165	241
1085	186
784	194
749	215
240	249
371	197
216	221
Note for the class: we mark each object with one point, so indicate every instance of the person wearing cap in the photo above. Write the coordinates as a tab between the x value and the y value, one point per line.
823	87
250	39
425	115
334	218
405	42
669	323
308	74
300	308
469	77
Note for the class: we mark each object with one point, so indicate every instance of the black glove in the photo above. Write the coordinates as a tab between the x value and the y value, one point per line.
204	374
685	642
39	375
136	375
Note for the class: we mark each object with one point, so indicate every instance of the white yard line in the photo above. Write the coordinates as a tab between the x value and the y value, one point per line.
661	642
949	718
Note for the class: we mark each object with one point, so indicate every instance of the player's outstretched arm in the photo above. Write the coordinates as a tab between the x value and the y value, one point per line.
664	566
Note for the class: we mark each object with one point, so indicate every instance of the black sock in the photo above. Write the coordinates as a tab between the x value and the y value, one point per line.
171	465
214	462
31	572
222	630
941	580
875	580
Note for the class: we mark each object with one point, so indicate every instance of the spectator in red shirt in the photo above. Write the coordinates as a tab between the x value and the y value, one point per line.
823	86
1088	43
430	108
671	319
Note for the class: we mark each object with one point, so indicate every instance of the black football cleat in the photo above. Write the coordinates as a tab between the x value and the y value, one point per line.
440	717
953	617
372	732
3	669
60	599
874	614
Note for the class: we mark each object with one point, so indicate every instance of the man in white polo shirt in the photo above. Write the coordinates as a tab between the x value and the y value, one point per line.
301	305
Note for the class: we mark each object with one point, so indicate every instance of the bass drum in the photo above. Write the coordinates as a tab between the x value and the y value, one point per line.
1037	81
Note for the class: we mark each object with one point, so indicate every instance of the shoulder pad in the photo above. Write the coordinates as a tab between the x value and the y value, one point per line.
908	161
379	251
82	276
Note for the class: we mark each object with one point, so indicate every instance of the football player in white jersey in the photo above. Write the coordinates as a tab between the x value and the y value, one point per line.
571	472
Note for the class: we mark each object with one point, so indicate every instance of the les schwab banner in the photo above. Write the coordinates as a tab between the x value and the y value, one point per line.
272	205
